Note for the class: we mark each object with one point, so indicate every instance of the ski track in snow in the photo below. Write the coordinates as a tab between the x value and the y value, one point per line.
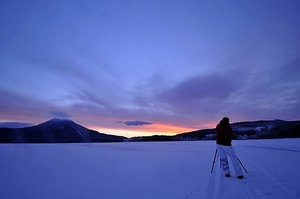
272	181
267	177
278	149
221	187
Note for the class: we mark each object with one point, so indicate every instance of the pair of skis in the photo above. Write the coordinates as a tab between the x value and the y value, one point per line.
212	168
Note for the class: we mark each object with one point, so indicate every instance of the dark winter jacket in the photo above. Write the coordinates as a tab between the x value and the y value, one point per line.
224	133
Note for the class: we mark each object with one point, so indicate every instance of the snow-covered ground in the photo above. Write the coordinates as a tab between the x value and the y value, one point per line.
158	170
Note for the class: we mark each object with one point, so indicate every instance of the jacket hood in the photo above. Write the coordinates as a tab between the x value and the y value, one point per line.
225	120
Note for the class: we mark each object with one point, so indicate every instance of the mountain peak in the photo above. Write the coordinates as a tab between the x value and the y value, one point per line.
57	119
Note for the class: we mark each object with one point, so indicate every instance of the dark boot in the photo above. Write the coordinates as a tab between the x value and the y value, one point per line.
240	177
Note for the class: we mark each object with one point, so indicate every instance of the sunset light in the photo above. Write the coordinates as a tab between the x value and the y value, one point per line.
139	68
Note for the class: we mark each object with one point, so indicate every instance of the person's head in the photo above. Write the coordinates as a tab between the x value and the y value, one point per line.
225	120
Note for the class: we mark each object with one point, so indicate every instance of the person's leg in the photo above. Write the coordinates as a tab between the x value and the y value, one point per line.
231	153
224	161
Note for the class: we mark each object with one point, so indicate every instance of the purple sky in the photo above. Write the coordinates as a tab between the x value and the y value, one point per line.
149	67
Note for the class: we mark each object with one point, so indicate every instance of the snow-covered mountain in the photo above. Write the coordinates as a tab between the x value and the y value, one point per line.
55	131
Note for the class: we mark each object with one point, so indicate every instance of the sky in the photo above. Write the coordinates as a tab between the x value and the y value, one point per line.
136	68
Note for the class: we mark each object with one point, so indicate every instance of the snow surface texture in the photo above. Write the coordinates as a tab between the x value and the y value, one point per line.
156	170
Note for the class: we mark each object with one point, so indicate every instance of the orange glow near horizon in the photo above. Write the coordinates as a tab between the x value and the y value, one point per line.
135	131
147	130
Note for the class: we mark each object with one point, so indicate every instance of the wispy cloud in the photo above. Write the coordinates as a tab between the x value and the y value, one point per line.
60	114
134	123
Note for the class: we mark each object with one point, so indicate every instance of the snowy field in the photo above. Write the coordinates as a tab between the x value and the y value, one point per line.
161	170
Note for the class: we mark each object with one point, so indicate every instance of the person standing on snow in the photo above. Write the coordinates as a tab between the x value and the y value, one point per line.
224	138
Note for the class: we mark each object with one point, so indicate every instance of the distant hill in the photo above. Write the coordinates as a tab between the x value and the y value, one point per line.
55	131
263	129
14	125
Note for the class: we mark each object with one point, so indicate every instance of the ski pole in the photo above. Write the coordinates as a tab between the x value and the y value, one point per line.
242	164
214	161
